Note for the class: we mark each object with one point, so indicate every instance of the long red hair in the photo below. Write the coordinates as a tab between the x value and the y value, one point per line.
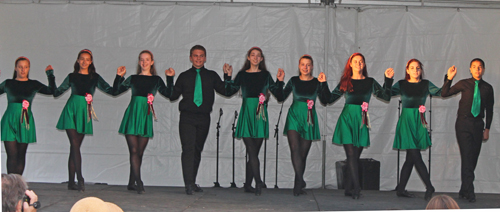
345	80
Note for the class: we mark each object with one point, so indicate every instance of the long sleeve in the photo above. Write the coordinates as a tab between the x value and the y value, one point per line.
447	90
383	92
120	85
434	90
233	86
396	89
287	90
489	108
104	86
49	90
163	89
177	89
2	87
219	85
276	88
62	88
323	92
334	95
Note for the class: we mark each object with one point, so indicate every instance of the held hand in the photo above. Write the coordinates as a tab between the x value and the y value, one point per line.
486	134
121	71
389	73
228	69
170	72
452	71
322	77
49	67
281	75
33	198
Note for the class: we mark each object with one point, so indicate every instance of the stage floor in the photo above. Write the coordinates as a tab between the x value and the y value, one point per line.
56	197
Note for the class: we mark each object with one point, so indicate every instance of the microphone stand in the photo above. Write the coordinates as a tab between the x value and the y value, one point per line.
276	131
265	150
216	183
233	185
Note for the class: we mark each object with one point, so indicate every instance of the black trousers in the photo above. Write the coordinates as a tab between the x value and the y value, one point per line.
469	132
193	131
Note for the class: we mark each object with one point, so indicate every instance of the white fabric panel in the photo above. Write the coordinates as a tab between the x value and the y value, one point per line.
54	33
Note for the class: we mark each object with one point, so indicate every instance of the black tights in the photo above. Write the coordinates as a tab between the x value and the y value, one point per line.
299	149
352	180
16	156
253	165
136	146
75	157
413	157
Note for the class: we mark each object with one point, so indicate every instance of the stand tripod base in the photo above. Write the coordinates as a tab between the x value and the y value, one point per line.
276	186
216	185
264	185
233	185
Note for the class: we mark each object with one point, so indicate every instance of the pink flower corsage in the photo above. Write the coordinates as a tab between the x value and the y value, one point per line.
310	117
151	98
421	110
24	116
90	107
260	108
364	115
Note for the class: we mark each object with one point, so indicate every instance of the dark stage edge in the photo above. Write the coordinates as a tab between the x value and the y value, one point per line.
56	197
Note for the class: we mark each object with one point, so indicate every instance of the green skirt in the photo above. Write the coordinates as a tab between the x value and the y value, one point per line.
251	125
410	132
349	129
12	128
297	120
136	120
75	116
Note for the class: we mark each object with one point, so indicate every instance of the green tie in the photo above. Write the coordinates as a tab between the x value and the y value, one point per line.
476	102
198	94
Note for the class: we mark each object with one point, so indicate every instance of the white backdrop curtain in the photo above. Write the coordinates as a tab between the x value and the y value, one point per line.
388	37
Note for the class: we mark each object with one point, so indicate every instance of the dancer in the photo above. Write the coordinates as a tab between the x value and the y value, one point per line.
137	123
76	117
253	122
301	125
196	85
353	124
477	96
411	131
18	125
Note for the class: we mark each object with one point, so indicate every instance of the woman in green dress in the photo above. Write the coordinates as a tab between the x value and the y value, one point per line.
301	126
253	123
352	126
137	122
411	131
76	117
18	125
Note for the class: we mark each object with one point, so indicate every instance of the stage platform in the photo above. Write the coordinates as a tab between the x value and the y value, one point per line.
56	197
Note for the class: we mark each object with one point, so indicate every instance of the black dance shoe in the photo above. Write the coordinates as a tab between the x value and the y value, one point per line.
472	197
248	188
356	194
72	186
405	193
189	189
347	193
428	193
196	188
140	188
81	185
132	187
258	189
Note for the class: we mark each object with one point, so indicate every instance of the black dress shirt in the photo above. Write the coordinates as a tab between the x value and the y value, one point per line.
184	86
466	87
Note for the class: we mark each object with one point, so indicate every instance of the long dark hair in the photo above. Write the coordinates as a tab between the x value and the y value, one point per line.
14	76
92	71
345	80
407	76
306	56
153	68
262	64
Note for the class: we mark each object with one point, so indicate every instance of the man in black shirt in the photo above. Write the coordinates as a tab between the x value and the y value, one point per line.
477	96
196	85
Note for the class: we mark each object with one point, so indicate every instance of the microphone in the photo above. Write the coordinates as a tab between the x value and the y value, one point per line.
235	114
220	111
